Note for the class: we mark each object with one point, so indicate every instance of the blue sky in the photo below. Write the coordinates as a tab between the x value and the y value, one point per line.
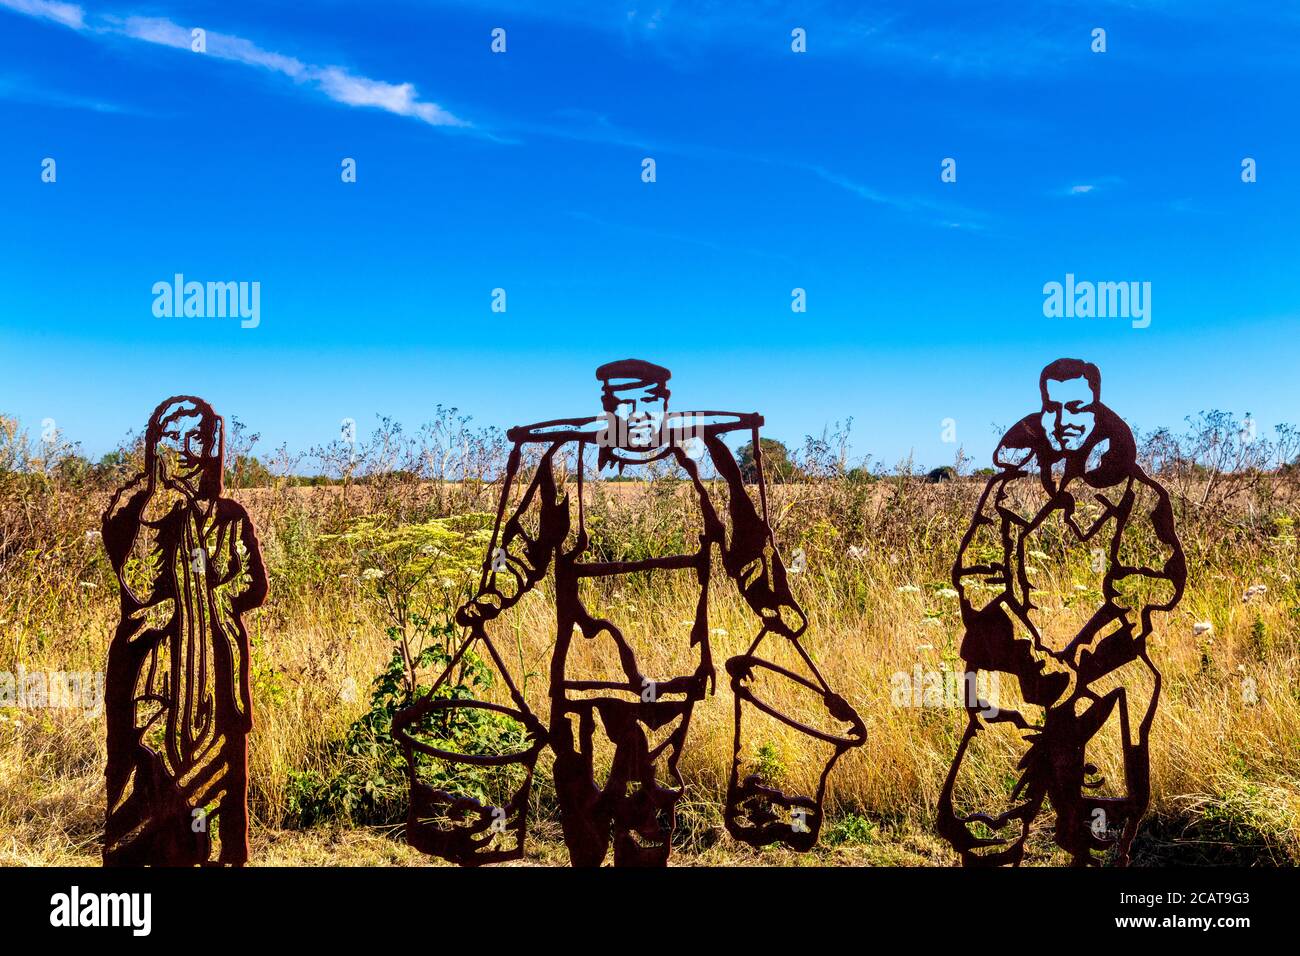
522	171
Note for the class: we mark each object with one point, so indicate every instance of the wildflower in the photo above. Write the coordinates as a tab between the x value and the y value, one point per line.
856	553
88	584
1039	555
908	589
371	574
719	631
1202	627
92	537
1255	590
946	593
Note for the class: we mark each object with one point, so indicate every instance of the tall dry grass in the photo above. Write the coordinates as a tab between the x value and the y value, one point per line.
1225	768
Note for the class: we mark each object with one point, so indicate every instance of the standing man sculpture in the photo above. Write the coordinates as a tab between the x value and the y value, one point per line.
1068	479
643	717
178	707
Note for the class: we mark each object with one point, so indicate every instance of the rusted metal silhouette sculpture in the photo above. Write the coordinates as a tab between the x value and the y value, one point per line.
645	717
178	708
1068	477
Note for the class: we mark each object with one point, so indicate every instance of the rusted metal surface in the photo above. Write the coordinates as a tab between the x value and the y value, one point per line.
642	717
1067	478
178	707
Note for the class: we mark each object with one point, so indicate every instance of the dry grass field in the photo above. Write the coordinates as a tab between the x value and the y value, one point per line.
326	787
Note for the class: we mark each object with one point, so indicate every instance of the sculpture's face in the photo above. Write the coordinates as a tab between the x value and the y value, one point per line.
638	417
190	450
1069	414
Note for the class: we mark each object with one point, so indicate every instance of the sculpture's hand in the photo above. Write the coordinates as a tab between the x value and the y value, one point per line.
779	613
482	608
981	588
785	619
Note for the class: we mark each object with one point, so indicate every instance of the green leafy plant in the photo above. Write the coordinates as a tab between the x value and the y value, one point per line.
417	575
851	828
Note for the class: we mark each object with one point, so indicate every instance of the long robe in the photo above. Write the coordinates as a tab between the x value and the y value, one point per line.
178	704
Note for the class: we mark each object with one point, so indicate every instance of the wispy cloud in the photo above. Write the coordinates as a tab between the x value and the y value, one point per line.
858	189
335	82
997	39
948	215
1091	187
69	14
165	32
582	125
587	126
959	39
399	98
27	90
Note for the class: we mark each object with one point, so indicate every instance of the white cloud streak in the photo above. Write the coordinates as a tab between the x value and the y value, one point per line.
69	14
334	82
965	218
399	98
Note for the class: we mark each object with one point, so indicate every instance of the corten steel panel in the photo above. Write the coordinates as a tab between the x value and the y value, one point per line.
634	809
1072	463
178	707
